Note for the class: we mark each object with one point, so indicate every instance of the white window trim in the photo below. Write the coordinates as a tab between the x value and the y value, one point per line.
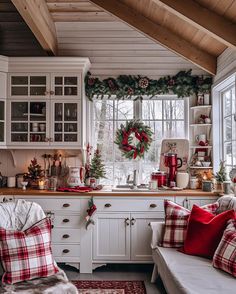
138	115
217	132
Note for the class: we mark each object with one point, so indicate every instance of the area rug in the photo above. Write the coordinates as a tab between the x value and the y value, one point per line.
110	287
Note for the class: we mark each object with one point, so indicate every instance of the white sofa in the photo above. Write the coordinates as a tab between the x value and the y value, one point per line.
187	274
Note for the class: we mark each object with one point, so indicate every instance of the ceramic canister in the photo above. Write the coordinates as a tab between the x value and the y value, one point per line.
182	179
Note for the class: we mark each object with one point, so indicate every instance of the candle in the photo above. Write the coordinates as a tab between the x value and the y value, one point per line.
41	184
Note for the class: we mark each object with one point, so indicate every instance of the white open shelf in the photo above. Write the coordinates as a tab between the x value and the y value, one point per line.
201	107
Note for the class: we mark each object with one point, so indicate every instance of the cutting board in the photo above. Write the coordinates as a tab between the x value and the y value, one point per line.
179	146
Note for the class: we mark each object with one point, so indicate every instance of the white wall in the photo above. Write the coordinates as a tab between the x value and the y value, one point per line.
23	158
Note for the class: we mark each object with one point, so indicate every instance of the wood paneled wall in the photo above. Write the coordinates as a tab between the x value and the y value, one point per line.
16	39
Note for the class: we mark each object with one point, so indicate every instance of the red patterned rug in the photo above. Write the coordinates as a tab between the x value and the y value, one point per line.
110	287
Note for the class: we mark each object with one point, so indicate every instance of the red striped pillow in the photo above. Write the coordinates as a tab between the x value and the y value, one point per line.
27	255
225	254
176	221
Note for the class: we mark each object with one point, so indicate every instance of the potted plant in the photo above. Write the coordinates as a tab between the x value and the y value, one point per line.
221	176
97	167
35	173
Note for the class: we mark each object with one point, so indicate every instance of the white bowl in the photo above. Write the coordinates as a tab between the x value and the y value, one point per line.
206	163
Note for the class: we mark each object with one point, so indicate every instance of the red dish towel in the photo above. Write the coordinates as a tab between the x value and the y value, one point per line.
75	189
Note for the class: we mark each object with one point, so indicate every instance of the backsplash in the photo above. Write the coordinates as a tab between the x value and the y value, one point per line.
23	158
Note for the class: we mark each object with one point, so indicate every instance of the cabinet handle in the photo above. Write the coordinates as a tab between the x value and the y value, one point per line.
66	236
51	92
107	205
133	221
50	139
66	205
66	220
46	139
153	205
127	221
52	226
46	93
65	250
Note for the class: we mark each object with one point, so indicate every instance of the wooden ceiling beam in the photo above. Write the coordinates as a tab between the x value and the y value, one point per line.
202	18
159	34
38	18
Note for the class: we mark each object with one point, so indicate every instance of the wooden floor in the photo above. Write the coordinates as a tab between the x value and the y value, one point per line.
119	272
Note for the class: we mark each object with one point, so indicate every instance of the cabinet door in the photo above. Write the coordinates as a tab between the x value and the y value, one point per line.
66	86
188	202
2	122
141	235
111	239
29	85
66	124
29	122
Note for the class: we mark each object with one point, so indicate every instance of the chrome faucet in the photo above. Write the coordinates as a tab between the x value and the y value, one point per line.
134	181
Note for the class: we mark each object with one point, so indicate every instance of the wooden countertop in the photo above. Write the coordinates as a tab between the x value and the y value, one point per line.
31	192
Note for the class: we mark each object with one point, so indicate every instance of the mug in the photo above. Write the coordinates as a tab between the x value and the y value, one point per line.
193	183
201	137
207	186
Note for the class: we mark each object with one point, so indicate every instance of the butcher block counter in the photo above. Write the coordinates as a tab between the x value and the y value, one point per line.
102	193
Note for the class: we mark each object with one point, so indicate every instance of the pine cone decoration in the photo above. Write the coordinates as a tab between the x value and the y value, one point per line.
143	83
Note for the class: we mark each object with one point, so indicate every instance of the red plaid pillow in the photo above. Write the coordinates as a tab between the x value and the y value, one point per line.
27	255
176	221
225	254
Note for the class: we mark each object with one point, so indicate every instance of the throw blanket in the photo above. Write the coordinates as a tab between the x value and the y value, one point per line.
57	284
226	202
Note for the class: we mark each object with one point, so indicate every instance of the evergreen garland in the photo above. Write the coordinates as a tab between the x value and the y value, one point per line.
183	84
97	167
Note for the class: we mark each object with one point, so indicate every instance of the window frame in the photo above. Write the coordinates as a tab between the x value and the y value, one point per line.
137	112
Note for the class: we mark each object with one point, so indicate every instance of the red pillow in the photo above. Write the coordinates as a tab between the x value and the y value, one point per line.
176	221
204	231
27	255
225	254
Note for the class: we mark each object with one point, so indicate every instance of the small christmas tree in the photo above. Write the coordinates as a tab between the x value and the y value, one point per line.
97	167
221	175
34	170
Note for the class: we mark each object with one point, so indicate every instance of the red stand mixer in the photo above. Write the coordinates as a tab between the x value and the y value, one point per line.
172	162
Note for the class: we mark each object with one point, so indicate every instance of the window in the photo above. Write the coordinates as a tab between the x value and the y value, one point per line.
166	116
229	126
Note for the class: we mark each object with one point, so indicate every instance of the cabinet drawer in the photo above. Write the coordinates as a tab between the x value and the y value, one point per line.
66	221
66	250
58	204
150	204
66	236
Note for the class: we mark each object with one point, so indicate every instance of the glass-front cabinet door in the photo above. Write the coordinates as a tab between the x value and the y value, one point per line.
29	122
33	85
65	86
2	122
66	123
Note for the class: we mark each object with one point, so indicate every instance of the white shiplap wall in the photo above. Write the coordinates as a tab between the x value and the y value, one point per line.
114	48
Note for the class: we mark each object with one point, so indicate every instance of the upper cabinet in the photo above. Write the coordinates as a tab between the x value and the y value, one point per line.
2	122
45	102
28	85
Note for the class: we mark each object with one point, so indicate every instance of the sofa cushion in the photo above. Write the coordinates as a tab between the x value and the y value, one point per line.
183	274
225	254
27	255
205	231
176	221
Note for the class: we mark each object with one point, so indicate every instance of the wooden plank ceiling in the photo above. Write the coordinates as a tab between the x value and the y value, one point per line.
16	38
147	37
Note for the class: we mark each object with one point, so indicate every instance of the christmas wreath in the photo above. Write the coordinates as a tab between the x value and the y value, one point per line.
133	139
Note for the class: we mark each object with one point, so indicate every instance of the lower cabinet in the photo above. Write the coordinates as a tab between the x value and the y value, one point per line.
122	236
188	202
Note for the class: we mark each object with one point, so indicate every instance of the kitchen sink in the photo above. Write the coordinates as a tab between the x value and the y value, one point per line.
126	188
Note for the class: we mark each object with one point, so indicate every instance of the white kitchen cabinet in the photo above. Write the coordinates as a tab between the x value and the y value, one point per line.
46	102
188	201
141	235
111	239
31	85
2	122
